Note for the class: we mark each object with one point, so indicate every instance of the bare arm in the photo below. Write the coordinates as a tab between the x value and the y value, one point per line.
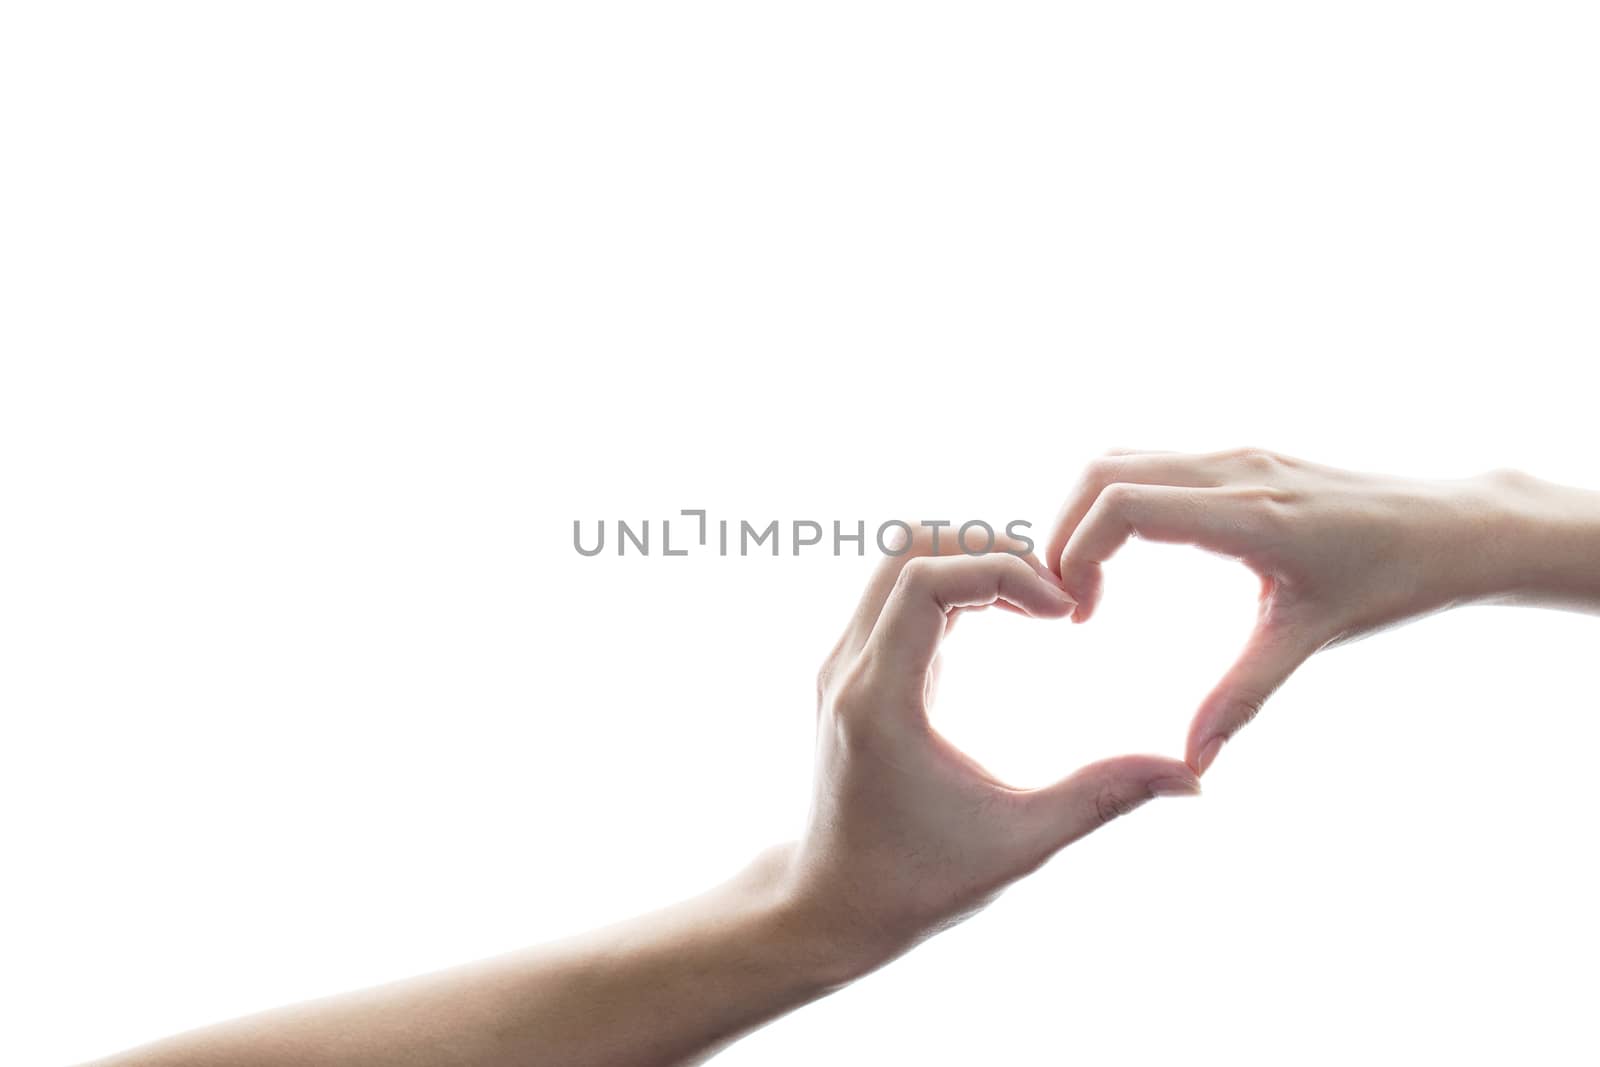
670	987
906	837
1553	532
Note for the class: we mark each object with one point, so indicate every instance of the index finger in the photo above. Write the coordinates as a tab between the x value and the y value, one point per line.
1135	468
924	541
1221	520
908	631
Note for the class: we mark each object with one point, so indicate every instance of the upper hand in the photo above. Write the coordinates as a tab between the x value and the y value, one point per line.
1340	554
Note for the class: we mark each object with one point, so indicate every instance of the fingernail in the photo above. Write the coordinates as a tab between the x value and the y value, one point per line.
1209	753
1174	787
1062	595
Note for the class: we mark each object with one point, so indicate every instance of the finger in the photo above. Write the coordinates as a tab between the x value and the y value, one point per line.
1139	468
1268	659
1092	796
924	541
1223	520
907	634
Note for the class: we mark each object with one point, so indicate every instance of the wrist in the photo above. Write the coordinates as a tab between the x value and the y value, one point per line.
814	930
802	930
1540	541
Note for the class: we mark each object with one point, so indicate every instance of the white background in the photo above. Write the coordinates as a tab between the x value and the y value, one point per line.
321	323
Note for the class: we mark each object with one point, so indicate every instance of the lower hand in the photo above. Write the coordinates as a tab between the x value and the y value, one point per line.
907	835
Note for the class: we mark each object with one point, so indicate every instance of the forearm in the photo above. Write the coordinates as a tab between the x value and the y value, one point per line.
1547	537
671	987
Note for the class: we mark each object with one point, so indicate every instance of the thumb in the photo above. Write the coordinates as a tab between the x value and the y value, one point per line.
1092	796
1270	656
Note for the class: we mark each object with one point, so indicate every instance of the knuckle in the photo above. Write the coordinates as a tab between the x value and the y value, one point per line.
1111	804
1104	468
1509	478
921	541
1017	567
849	693
916	574
1268	505
1119	496
837	656
1011	546
1254	459
938	539
901	537
825	677
866	716
1245	708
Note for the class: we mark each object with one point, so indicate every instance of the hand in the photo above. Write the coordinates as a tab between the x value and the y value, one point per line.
907	835
1339	554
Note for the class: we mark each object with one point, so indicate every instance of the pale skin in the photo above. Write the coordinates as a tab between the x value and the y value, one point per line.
1340	554
907	836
